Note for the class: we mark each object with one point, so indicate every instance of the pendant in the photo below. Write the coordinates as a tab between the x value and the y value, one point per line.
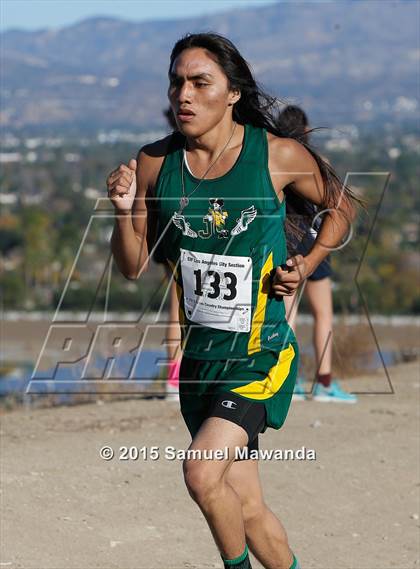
183	202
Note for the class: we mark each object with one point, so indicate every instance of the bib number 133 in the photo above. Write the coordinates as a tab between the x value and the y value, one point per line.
230	280
217	290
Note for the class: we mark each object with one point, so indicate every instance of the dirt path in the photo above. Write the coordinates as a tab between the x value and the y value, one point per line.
355	507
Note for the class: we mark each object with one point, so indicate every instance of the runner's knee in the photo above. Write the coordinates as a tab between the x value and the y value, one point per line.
253	510
201	480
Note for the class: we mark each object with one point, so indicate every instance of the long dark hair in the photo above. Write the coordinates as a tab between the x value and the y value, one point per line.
259	109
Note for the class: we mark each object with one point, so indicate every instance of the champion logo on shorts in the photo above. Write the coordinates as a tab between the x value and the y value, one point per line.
229	404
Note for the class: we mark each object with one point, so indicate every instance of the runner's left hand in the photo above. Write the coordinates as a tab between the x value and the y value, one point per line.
285	282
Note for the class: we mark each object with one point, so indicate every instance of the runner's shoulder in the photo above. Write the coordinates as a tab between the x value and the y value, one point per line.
150	158
288	145
286	152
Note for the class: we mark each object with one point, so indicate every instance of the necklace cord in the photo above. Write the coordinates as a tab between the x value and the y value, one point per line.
185	199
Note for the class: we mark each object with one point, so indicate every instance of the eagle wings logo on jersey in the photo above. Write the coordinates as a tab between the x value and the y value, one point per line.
215	221
247	215
184	225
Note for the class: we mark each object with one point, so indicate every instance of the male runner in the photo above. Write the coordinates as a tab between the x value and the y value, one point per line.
239	354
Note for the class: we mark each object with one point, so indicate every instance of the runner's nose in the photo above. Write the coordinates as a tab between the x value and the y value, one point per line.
185	93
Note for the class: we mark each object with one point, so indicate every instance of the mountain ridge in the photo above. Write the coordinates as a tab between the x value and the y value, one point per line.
343	61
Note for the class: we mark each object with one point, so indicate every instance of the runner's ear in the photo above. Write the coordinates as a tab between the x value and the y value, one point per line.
236	95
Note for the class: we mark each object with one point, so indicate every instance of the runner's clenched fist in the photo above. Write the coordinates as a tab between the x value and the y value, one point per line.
121	184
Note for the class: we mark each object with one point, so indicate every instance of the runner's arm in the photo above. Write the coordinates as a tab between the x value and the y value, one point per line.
306	181
135	230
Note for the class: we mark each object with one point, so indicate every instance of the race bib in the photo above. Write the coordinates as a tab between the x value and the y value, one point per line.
217	290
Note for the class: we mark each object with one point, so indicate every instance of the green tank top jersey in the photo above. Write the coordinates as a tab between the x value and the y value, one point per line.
222	247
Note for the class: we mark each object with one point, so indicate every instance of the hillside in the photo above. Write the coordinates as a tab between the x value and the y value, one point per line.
348	61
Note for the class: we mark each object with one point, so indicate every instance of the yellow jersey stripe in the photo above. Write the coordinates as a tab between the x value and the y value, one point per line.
277	375
254	342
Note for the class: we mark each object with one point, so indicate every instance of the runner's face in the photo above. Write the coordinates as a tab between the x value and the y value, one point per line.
198	85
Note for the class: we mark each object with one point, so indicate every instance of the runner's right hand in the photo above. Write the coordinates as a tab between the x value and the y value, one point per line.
121	184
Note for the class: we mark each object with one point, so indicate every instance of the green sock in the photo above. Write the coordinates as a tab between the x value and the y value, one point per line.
295	564
241	562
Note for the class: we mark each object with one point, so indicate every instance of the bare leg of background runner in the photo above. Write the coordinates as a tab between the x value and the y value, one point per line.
320	301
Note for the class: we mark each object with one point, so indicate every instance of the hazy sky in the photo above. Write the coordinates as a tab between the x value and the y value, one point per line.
37	14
